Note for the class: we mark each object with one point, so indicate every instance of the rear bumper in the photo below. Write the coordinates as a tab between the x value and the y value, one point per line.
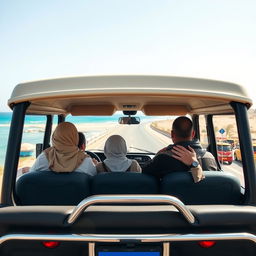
116	238
225	159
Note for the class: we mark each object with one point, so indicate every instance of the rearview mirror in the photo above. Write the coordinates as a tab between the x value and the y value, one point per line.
128	120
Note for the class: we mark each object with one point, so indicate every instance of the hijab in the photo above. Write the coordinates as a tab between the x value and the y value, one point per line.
115	151
64	155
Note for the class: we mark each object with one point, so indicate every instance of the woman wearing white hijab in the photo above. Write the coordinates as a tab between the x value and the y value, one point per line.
115	150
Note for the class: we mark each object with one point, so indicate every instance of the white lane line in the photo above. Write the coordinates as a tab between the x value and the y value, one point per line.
161	138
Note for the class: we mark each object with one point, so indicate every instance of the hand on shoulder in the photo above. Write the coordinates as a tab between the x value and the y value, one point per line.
186	156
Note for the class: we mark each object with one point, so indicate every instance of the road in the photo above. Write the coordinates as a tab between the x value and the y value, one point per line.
236	169
141	138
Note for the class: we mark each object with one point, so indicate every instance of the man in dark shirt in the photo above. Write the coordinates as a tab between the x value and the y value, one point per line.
167	159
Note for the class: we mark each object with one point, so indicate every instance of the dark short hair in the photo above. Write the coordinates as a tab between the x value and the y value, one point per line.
81	140
183	127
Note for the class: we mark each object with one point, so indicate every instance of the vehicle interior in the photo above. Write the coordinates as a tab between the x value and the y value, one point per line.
115	214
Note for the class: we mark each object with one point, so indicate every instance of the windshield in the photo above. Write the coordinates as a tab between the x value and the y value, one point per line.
149	135
223	148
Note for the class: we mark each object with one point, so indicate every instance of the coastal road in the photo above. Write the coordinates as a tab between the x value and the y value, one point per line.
139	138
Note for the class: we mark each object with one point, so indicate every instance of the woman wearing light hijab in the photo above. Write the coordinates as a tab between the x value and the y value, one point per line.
115	150
64	155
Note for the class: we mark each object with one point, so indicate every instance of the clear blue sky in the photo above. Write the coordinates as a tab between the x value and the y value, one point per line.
197	38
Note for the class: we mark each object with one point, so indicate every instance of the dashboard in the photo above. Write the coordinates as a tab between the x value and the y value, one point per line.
141	158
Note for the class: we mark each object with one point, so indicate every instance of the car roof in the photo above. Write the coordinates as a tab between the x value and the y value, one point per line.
103	95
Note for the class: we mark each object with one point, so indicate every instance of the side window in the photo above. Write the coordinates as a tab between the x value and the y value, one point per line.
203	132
228	149
33	133
5	119
252	122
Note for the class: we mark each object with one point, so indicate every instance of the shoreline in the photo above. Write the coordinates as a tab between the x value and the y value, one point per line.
98	130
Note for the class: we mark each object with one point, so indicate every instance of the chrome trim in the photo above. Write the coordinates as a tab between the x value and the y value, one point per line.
140	238
166	249
133	199
13	201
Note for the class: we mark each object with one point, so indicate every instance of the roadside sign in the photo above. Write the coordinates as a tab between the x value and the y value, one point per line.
221	131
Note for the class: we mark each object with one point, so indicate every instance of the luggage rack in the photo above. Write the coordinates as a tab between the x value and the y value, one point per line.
131	199
164	239
155	244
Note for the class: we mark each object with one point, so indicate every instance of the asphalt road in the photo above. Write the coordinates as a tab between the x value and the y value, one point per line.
236	169
139	138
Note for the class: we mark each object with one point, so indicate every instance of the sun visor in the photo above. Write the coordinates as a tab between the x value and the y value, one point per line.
165	110
92	110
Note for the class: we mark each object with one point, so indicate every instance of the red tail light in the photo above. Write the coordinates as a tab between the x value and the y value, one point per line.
50	244
207	244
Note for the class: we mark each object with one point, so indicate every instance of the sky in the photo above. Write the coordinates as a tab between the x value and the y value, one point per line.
60	38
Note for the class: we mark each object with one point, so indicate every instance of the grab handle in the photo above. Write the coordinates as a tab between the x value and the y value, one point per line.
131	199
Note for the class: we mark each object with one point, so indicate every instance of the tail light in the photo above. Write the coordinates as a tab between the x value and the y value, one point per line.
207	244
51	244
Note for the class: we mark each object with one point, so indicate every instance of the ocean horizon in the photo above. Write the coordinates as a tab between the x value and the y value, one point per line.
34	134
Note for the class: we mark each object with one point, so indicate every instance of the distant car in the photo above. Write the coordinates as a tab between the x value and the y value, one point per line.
225	153
238	156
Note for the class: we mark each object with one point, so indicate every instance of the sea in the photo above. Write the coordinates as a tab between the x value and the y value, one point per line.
34	134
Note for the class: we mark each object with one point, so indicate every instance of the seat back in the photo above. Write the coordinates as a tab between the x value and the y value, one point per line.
216	188
124	183
51	188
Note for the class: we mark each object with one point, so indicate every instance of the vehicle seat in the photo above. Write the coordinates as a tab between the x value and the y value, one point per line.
51	188
216	188
124	183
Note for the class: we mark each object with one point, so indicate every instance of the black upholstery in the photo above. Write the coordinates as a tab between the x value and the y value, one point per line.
216	188
50	188
124	183
144	219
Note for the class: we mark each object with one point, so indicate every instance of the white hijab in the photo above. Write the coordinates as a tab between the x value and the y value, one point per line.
115	151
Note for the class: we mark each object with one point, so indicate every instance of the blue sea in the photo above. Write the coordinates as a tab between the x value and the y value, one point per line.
34	134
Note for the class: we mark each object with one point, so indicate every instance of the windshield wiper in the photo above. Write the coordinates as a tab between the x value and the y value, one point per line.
143	150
